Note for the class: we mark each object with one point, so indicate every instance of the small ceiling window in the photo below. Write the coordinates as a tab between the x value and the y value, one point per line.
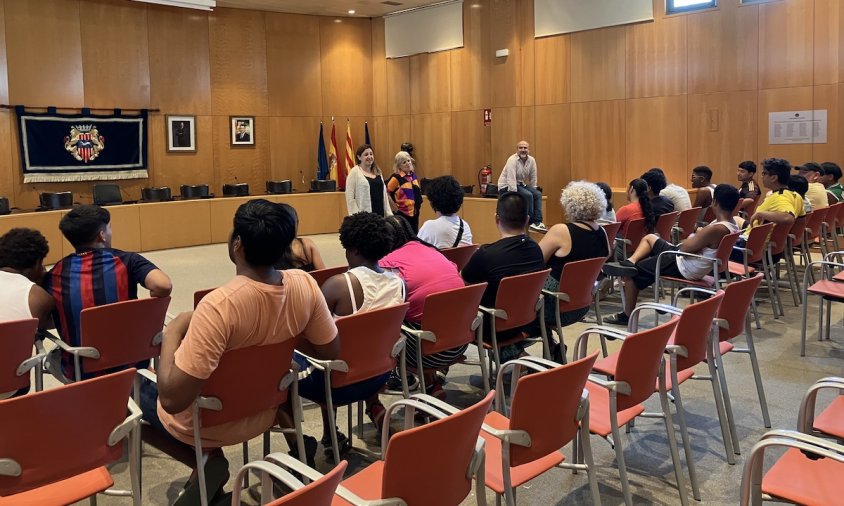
675	6
748	2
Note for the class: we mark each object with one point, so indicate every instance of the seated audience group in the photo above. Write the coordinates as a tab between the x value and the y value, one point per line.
271	299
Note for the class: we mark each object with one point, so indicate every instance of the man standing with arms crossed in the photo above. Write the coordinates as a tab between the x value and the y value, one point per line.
519	175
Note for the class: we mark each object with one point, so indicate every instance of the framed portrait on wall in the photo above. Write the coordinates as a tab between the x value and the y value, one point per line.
242	130
181	134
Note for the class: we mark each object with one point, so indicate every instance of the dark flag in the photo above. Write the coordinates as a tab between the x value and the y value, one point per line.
366	133
322	157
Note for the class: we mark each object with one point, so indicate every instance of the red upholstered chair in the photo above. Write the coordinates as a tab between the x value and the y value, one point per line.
526	442
829	234
745	208
200	294
776	246
631	235
720	264
54	445
793	244
17	360
615	403
828	289
430	464
686	223
754	253
460	255
450	319
322	275
830	422
665	224
278	467
258	370
611	229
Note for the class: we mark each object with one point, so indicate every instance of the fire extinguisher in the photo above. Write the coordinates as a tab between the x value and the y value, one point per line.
484	178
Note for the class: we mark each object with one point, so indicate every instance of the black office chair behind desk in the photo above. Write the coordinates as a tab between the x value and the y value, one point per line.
323	185
4	206
107	194
161	194
236	190
199	191
279	187
53	201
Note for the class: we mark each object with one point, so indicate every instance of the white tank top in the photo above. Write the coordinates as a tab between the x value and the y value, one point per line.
696	268
14	297
380	289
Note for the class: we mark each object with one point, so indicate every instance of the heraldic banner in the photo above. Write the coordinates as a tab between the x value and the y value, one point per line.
82	147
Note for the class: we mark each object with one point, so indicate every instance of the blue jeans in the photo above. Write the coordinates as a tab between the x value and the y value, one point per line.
533	197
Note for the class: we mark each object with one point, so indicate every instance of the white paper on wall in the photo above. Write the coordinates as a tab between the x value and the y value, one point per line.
797	127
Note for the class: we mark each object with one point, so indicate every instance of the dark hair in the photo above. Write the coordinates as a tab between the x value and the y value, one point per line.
400	230
656	180
407	148
726	196
266	230
778	167
799	184
359	151
289	260
22	248
607	193
704	171
813	166
748	165
81	225
832	169
512	210
445	194
641	188
368	234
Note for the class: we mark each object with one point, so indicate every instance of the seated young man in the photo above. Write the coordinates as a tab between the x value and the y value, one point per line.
259	306
93	275
639	270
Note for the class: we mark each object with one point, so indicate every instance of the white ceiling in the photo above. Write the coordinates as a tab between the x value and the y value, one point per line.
362	8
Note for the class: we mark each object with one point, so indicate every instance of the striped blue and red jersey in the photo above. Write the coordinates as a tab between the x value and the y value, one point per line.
89	278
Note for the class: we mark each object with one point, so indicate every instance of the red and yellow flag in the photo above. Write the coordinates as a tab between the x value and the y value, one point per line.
332	155
350	156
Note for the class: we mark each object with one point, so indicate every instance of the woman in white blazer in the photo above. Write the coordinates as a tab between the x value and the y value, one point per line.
365	188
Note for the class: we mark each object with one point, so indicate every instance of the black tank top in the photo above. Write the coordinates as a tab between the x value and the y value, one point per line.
585	244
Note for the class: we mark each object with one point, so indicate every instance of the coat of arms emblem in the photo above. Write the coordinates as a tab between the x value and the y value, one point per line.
84	142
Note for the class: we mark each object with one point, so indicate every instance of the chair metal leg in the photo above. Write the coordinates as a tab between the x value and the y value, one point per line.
725	396
757	376
755	312
619	458
246	461
332	423
684	435
803	326
672	441
828	317
590	465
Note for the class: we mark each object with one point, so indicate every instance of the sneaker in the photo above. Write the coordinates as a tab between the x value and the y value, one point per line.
310	451
538	227
394	382
624	268
216	476
343	443
558	353
617	319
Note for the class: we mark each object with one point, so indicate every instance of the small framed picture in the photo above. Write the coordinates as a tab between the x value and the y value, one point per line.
242	130
181	133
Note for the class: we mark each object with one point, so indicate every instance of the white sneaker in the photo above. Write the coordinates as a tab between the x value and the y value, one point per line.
538	227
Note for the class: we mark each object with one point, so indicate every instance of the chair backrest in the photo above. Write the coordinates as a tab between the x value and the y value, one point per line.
367	340
449	315
725	247
639	360
611	229
4	206
279	187
236	190
746	207
70	423
840	217
323	185
518	296
546	406
444	448
59	200
247	382
160	194
664	224
122	332
200	294
799	226
193	191
577	280
738	296
778	238
694	328
105	194
468	188
813	224
687	221
316	493
756	241
16	340
708	215
833	214
322	275
460	255
634	233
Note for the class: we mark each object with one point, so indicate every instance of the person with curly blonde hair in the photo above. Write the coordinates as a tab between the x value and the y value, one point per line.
581	238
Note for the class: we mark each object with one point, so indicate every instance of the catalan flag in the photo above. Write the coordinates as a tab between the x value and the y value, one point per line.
350	156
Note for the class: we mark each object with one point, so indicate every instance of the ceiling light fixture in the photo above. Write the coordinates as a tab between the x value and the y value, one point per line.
351	11
204	5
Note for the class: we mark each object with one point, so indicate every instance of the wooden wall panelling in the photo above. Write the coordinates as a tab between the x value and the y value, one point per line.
470	69
552	149
527	54
828	39
47	223
828	97
656	57
398	86
785	44
552	69
179	61
238	63
380	86
4	67
175	169
430	84
509	126
598	142
722	133
469	150
293	65
723	48
656	136
292	149
785	99
243	164
389	132
10	174
115	57
598	64
431	135
505	72
346	63
44	63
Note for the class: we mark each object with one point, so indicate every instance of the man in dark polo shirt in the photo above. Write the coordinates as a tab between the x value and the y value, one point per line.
95	274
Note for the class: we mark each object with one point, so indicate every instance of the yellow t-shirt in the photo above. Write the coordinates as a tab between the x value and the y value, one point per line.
780	201
817	196
239	314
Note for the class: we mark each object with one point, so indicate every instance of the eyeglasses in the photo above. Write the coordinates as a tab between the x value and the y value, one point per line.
765	173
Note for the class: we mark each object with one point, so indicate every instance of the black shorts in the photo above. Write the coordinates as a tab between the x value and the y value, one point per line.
647	267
